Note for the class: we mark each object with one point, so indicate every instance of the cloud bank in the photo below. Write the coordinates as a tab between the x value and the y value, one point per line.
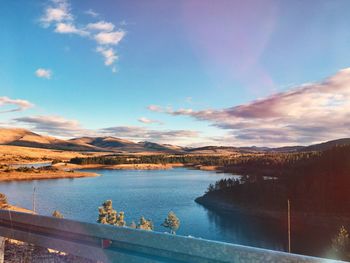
306	114
137	133
59	126
53	125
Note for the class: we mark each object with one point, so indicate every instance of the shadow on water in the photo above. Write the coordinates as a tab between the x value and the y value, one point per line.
248	230
271	233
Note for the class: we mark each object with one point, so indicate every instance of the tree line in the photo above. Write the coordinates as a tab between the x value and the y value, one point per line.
157	159
316	182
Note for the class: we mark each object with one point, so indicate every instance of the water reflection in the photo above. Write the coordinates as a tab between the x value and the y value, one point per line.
309	239
249	230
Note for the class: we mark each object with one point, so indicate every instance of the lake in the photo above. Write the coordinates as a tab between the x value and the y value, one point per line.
152	194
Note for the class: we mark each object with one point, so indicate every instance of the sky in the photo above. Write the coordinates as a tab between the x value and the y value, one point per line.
186	72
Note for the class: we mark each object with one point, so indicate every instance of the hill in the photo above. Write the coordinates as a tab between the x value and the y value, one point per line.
25	138
326	145
254	149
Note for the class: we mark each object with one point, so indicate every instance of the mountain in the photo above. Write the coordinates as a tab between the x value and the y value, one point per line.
326	145
26	138
213	150
254	149
231	150
107	143
22	137
125	146
161	147
287	149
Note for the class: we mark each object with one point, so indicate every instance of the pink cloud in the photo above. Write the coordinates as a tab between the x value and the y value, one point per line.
309	113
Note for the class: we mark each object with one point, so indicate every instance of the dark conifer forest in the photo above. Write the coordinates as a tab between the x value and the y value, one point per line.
317	182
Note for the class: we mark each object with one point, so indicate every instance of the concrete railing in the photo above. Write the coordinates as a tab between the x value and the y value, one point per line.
120	244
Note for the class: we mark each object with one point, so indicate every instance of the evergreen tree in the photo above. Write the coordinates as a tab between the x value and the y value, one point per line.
3	200
57	214
107	215
341	244
145	224
171	222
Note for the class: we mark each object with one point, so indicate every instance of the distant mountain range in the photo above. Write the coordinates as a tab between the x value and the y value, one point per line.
26	138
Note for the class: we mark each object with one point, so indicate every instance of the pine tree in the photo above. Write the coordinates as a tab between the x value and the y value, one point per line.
145	224
57	214
171	222
3	200
341	244
107	215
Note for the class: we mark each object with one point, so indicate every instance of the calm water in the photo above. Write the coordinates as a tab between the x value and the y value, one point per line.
153	193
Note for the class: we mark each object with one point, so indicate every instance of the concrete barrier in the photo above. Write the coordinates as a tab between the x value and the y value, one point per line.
120	244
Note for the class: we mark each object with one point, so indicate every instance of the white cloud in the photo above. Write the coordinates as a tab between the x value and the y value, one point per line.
54	125
19	105
155	108
67	28
108	54
306	114
148	121
43	73
137	133
101	26
105	40
109	38
91	13
57	12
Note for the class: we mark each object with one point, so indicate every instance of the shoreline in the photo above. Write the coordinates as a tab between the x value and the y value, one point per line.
220	206
143	166
42	175
70	171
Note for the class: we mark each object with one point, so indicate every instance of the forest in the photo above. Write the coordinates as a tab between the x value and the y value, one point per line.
156	159
315	182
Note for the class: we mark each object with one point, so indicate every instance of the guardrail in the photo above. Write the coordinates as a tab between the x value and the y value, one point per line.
120	244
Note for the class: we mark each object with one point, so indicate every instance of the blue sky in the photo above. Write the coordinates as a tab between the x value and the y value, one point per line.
95	68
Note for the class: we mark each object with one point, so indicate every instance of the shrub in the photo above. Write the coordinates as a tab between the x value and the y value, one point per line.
145	224
171	222
341	244
3	200
107	215
57	214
